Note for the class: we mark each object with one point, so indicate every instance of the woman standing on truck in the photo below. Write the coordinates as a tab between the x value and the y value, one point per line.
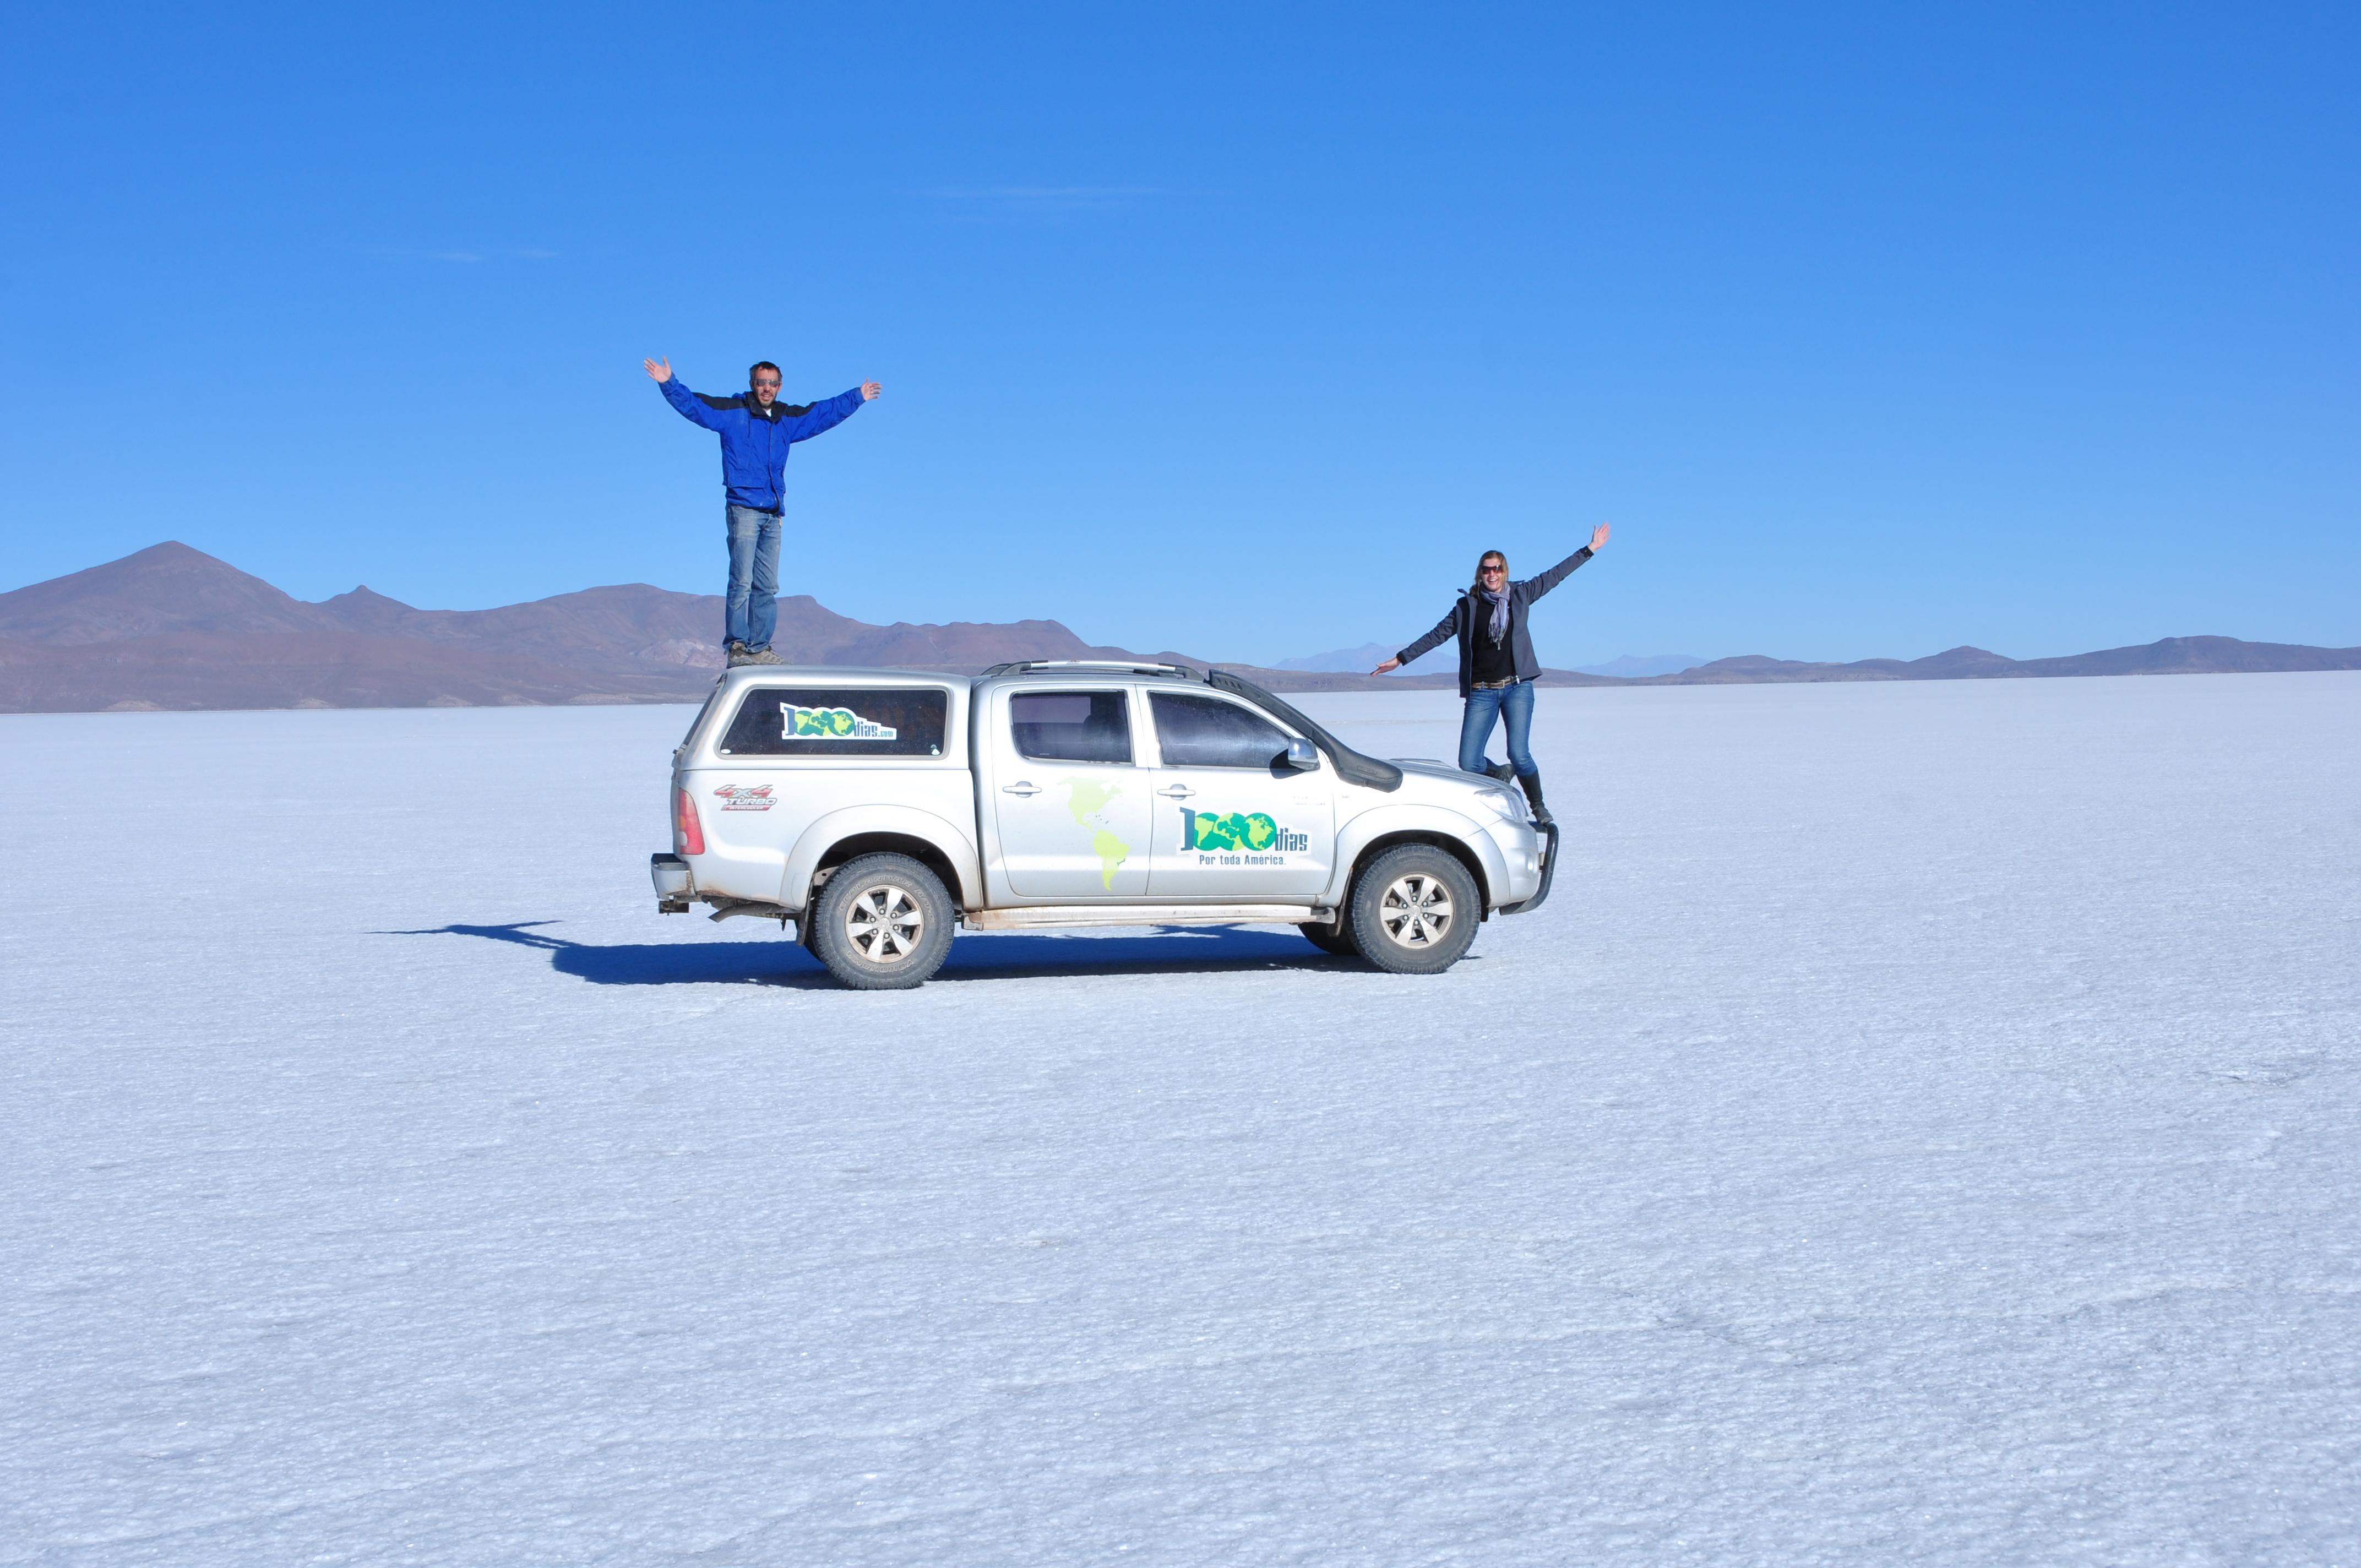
1497	667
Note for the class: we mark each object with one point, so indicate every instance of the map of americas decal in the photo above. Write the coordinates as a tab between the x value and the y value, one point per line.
1086	799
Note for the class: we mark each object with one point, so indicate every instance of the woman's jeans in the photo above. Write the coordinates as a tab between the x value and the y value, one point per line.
753	576
1513	703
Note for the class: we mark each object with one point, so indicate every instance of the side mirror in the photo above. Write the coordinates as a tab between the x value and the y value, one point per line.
1303	756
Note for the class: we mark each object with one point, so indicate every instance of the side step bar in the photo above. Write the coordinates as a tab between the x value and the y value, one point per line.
1038	916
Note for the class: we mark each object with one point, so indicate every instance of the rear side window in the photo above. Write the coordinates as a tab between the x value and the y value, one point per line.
1070	727
1206	732
839	722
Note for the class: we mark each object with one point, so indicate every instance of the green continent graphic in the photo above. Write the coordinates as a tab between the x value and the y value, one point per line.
1112	852
1084	798
1235	831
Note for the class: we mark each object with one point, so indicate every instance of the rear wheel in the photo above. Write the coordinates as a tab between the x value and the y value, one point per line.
1414	910
883	923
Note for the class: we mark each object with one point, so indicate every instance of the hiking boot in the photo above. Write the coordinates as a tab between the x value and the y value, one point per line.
758	656
1532	783
737	654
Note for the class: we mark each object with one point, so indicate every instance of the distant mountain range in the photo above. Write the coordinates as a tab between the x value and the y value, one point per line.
1368	656
1630	669
2172	657
173	628
1444	661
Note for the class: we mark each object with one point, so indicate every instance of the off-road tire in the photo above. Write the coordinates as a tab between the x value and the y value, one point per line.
883	923
1414	910
1338	938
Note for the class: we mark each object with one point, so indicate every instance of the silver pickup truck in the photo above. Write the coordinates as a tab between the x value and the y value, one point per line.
877	809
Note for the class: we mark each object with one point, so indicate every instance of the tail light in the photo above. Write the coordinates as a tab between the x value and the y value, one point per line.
689	834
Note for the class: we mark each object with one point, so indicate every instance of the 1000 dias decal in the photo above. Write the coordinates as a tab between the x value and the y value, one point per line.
1250	831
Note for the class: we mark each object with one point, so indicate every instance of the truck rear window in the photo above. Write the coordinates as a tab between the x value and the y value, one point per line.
1070	727
839	722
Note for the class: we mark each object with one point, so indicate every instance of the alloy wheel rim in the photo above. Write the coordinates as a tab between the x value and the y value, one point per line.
1415	911
884	924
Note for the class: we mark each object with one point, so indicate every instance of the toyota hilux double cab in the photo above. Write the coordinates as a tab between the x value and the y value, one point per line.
878	809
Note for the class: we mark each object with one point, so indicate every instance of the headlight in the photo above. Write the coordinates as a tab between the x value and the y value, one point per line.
1508	807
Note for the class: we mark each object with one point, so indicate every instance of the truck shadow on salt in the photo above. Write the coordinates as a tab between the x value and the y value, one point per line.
1157	949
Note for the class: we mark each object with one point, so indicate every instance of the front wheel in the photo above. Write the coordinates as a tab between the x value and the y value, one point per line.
883	923
1414	910
1336	938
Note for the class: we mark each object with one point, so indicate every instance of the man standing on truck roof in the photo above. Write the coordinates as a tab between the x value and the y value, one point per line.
756	430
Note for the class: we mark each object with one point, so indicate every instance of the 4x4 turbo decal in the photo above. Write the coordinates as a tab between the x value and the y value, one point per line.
745	797
829	724
1236	830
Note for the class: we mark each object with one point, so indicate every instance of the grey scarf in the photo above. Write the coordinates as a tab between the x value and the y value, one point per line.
1499	603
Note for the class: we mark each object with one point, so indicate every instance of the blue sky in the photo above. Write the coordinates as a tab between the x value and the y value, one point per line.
1227	329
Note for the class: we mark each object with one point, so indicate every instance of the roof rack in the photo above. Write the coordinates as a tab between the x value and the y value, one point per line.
1019	666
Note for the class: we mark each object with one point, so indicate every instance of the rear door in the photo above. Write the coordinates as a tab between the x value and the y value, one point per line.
1072	802
1233	822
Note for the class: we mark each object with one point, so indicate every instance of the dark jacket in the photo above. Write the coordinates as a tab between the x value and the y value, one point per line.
1471	617
754	440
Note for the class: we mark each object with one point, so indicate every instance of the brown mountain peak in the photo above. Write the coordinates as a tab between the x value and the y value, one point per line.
165	587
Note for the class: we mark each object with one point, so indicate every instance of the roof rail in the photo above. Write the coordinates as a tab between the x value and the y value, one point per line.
1130	666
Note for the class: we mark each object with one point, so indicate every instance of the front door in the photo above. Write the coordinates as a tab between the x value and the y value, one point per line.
1233	822
1071	806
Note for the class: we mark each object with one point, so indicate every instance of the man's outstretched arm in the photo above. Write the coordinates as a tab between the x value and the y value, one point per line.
831	413
690	406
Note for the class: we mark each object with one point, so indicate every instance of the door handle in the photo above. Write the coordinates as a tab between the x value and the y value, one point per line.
1021	787
1178	792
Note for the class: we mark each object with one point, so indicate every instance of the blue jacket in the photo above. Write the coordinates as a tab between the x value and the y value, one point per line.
1471	612
754	440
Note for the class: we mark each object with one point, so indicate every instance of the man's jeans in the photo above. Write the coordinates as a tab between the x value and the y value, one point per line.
1515	703
753	576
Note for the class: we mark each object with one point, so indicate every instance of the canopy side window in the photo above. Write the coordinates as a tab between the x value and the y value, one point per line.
839	722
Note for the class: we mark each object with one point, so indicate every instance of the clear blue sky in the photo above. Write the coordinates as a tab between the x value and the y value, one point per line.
1238	330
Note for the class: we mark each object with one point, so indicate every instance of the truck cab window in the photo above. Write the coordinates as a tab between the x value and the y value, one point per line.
1070	727
1206	732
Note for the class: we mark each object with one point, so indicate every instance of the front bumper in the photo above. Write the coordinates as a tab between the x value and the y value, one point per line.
1549	874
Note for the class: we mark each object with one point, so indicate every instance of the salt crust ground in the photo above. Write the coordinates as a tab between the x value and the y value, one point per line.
1924	1127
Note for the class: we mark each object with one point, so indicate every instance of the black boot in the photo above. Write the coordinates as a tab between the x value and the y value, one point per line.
1532	783
1504	772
